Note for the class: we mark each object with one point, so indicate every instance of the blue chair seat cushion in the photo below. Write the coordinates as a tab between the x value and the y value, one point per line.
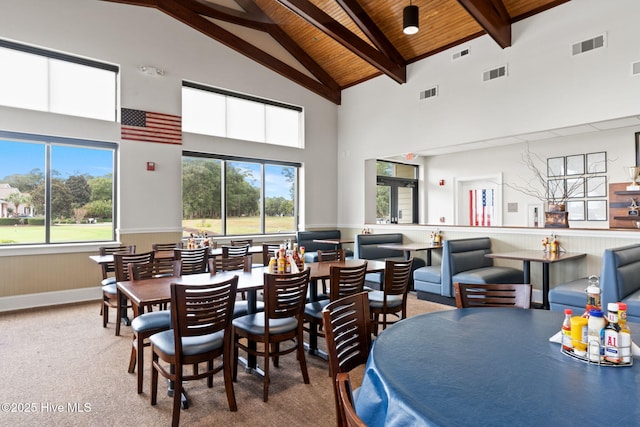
108	281
570	294
164	341
376	300
241	308
152	320
490	275
110	289
431	274
255	323
314	309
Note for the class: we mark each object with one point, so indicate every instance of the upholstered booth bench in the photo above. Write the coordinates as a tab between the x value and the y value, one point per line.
619	282
366	247
463	260
306	239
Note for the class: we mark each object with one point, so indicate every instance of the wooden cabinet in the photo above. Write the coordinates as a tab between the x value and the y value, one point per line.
619	202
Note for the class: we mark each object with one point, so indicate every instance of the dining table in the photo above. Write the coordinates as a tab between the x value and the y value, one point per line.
407	248
543	257
490	367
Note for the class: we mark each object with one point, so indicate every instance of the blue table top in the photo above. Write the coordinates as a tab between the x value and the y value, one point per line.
488	366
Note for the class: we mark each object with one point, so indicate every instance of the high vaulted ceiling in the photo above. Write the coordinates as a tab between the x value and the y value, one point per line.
329	45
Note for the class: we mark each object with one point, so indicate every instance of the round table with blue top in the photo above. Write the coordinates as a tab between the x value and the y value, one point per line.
490	367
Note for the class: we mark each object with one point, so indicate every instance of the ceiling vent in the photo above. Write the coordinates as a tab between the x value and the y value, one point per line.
429	93
587	45
635	68
496	73
460	54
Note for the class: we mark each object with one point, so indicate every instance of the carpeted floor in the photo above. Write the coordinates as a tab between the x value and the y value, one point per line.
60	367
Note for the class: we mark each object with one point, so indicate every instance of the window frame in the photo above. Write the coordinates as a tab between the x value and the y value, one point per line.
49	141
263	162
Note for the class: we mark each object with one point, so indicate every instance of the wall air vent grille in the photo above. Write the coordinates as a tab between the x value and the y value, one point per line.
587	45
496	73
635	68
429	93
460	54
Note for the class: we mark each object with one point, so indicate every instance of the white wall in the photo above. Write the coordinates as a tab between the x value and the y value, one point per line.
547	88
130	36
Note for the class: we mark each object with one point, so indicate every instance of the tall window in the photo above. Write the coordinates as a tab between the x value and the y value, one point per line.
218	112
397	193
237	196
38	79
55	190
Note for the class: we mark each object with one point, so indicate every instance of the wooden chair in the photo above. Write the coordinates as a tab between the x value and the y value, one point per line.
146	324
217	264
344	281
194	261
329	255
281	322
351	418
231	251
492	295
108	282
166	246
347	326
121	262
392	299
269	250
242	242
201	318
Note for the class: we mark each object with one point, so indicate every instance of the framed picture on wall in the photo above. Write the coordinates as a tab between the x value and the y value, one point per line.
596	210
597	186
576	210
575	164
575	188
555	166
597	162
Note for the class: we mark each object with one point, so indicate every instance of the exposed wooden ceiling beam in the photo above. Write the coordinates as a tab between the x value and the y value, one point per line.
227	14
292	47
371	30
176	10
325	23
493	17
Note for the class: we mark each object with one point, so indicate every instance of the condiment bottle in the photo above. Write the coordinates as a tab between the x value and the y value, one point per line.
595	329
566	330
273	265
593	296
281	261
625	333
611	339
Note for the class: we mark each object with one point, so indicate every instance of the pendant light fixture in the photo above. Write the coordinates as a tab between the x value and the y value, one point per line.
410	19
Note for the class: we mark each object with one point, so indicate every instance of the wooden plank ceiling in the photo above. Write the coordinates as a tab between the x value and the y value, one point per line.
329	45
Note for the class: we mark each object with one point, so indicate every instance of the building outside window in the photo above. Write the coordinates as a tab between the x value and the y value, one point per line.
396	193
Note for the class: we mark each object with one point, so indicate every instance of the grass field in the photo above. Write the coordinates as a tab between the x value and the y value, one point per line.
96	232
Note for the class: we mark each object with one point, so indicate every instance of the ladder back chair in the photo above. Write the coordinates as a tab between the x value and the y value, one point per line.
146	324
201	317
329	255
193	261
281	322
347	327
122	262
108	282
344	281
492	295
392	299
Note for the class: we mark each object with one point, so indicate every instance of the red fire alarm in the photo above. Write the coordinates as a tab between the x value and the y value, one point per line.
441	182
151	166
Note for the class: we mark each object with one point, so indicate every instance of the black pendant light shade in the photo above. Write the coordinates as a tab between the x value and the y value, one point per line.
410	19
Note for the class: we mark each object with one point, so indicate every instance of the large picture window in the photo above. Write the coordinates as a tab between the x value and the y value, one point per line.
236	196
55	190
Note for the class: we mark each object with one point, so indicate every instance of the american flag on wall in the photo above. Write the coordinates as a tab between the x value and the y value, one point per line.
481	205
141	125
